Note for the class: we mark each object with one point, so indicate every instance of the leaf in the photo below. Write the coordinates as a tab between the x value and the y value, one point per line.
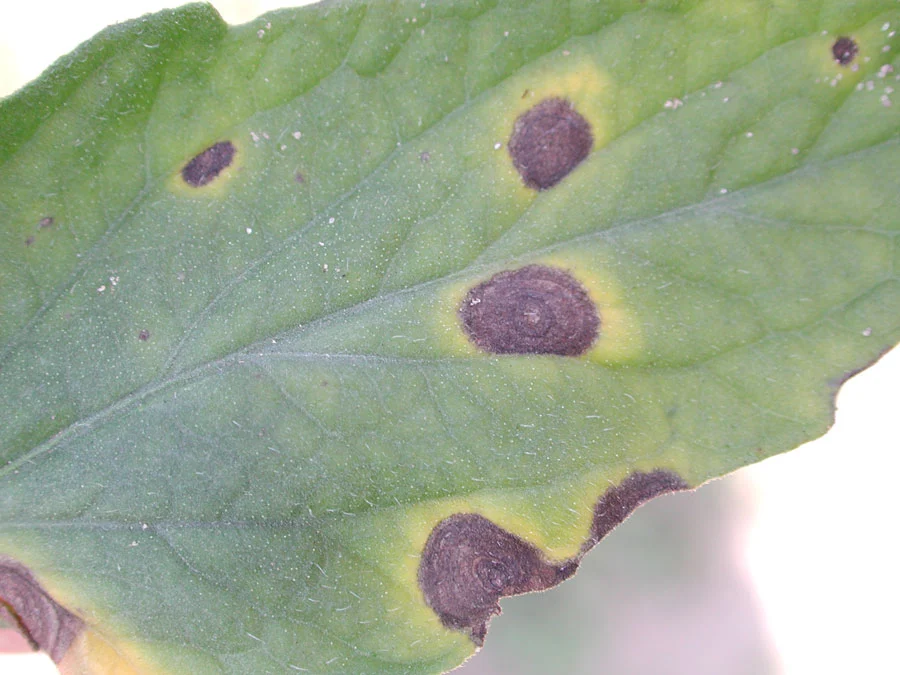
280	386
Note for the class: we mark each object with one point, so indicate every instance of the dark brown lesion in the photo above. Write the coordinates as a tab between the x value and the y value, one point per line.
531	310
844	50
469	563
204	168
619	501
47	625
548	142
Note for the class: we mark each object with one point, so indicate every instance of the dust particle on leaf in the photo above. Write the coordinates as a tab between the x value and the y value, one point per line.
203	168
844	50
531	310
144	335
548	142
46	221
46	624
469	563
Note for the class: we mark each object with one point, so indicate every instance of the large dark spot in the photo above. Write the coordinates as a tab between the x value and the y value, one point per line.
208	164
469	563
48	626
531	310
844	50
549	141
619	501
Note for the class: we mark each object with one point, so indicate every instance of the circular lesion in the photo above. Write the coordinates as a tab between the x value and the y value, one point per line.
844	50
548	142
535	309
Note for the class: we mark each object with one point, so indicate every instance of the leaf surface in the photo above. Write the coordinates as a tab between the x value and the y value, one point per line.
239	383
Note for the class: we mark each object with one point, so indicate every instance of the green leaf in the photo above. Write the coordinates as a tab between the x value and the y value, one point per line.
312	344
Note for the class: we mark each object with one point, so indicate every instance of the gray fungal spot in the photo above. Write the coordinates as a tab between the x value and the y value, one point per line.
47	625
844	50
531	310
203	168
469	563
548	142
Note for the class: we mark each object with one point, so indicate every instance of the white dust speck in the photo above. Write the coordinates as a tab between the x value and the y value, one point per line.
331	221
321	243
325	267
795	151
497	146
749	134
886	26
254	136
867	332
296	135
717	85
566	52
506	33
283	148
260	33
886	101
249	230
673	103
102	288
886	49
725	100
723	191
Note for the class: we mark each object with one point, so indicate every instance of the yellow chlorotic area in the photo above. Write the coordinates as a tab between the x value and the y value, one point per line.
571	76
92	654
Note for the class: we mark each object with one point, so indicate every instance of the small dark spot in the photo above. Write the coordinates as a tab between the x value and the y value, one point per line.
29	241
619	501
144	335
424	157
299	178
47	625
208	164
46	221
549	141
525	93
531	310
844	50
469	563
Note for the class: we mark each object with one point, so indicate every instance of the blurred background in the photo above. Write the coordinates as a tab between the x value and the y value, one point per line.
788	567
